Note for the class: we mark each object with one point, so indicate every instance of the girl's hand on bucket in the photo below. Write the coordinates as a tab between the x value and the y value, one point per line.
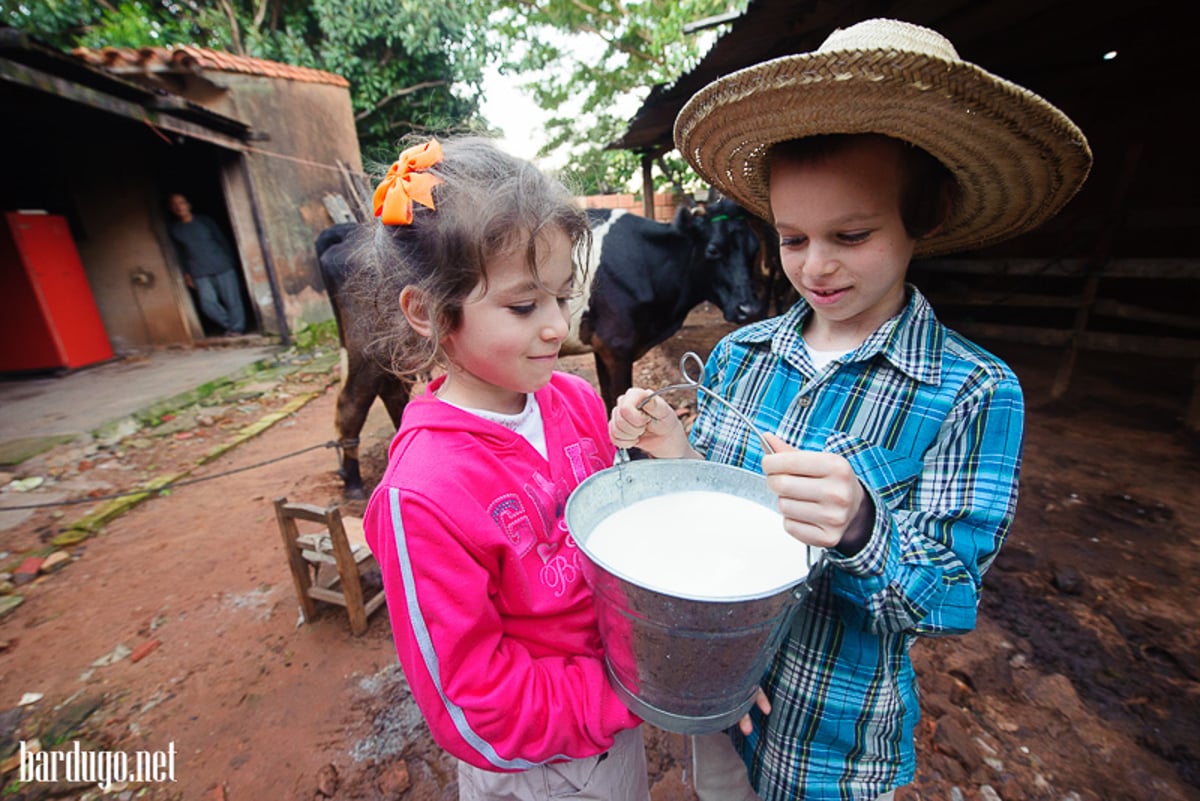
820	497
764	705
655	429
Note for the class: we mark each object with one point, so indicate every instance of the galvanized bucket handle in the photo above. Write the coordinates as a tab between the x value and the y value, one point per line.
696	384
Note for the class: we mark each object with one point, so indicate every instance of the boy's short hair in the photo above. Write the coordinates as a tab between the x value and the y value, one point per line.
928	190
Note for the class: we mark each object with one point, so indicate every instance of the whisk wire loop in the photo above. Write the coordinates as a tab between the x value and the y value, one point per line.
692	358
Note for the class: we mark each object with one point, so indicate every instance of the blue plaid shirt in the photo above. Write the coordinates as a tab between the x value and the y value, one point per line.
932	425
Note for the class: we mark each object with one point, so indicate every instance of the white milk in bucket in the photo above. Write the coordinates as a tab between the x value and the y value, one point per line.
700	544
693	589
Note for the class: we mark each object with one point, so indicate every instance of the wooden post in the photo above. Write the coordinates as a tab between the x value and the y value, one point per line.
647	186
347	568
1095	267
362	209
299	568
1191	419
1062	379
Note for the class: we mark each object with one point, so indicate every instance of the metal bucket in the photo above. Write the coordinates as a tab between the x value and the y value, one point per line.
684	664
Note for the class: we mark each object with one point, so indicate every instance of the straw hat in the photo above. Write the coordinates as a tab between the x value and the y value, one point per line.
1017	158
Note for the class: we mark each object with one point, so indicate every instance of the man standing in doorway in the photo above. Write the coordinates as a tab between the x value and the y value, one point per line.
209	266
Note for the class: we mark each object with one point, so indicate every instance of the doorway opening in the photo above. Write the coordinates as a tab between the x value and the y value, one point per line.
195	170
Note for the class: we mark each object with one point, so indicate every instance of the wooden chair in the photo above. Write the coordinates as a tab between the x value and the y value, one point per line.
340	548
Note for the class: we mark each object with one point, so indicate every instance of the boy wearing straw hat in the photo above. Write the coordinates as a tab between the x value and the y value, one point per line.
897	441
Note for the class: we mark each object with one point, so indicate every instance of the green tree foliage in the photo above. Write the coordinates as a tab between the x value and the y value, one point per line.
413	65
588	59
95	23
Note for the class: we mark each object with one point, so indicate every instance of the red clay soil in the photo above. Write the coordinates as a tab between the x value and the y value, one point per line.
1081	682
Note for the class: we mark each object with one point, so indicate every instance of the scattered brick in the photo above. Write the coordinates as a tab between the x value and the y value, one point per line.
55	561
395	781
144	650
28	570
327	781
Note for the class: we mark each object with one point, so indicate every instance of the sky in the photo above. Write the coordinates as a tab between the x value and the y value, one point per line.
507	107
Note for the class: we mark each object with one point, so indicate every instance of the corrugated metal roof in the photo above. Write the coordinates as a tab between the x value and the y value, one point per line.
186	58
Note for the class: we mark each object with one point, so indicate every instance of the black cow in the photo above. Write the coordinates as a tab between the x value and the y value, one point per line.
363	377
644	278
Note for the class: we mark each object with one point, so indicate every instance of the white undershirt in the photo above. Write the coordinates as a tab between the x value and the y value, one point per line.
820	358
527	422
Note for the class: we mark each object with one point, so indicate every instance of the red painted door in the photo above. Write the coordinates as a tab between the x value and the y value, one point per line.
50	318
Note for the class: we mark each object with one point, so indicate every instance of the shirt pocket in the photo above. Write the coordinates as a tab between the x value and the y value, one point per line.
890	474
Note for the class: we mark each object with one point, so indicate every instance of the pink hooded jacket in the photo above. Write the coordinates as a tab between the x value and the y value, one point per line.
492	618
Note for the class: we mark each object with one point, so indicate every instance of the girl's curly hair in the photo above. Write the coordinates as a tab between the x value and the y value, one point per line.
488	204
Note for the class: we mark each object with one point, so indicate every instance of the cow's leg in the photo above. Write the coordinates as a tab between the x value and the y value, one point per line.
395	394
614	371
354	402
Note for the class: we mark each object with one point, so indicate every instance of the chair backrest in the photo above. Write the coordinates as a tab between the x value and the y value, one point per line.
341	544
307	511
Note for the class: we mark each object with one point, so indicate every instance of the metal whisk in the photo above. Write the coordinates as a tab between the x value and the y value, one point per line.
695	383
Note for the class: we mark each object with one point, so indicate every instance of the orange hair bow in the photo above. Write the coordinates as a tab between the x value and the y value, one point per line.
406	182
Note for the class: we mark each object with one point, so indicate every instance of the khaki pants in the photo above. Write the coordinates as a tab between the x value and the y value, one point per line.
618	774
719	774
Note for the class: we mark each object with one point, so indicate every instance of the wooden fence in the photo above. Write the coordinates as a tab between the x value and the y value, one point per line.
1143	306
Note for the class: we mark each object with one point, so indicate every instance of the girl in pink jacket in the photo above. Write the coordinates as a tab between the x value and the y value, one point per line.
492	619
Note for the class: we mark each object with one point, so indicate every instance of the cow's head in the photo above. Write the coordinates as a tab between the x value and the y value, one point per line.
725	252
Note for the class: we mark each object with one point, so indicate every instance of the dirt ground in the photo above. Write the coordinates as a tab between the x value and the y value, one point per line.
1081	683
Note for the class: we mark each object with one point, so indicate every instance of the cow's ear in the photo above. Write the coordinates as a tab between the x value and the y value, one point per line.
687	222
415	306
